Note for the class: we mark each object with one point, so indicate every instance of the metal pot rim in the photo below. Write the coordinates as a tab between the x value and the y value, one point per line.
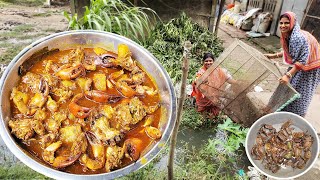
50	172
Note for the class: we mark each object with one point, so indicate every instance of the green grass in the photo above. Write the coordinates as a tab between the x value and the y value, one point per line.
21	32
3	4
19	171
10	53
24	28
26	2
46	14
50	30
18	32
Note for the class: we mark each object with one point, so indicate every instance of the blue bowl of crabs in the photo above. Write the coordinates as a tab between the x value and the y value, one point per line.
86	105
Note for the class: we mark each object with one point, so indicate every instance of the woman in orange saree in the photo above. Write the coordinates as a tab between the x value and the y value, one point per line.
217	79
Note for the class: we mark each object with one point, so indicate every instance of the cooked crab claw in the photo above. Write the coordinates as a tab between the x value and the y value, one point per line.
97	151
103	57
132	148
104	60
71	72
77	110
62	161
40	97
89	62
102	97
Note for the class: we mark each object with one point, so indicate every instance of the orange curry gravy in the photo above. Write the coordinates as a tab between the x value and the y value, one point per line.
33	144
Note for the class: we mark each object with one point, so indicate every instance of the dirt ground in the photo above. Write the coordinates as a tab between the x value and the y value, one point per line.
21	25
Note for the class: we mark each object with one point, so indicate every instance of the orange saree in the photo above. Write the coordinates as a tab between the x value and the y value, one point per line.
216	80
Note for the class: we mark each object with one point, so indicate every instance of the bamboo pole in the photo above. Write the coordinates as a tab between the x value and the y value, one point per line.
185	70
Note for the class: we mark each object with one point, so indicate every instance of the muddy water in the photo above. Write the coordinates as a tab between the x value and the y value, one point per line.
198	139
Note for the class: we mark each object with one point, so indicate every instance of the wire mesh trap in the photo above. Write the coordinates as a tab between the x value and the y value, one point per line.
249	68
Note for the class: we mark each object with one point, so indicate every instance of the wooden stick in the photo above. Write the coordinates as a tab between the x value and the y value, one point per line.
185	70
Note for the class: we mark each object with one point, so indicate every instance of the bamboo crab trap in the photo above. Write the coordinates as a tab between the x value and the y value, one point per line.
250	69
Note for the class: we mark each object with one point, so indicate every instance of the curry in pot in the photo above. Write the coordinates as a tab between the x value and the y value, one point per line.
86	110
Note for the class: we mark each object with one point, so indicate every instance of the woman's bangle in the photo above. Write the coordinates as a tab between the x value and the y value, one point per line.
289	74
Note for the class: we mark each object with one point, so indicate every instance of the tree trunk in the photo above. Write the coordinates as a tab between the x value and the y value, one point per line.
219	16
212	15
135	2
78	7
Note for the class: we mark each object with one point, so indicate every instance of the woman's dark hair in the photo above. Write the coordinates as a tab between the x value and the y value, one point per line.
207	55
284	15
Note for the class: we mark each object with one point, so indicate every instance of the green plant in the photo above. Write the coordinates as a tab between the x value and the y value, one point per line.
193	119
19	171
115	16
235	136
200	163
166	43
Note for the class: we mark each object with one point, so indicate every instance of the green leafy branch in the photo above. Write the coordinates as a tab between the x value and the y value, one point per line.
166	41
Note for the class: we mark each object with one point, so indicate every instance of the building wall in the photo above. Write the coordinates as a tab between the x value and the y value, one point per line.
198	10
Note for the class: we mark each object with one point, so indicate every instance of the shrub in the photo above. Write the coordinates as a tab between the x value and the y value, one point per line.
117	17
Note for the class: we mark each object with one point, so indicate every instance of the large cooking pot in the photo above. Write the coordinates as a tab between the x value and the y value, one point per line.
88	38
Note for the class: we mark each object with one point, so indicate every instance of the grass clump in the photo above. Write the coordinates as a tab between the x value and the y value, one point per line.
193	119
117	17
24	28
10	53
26	2
19	32
47	14
19	171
